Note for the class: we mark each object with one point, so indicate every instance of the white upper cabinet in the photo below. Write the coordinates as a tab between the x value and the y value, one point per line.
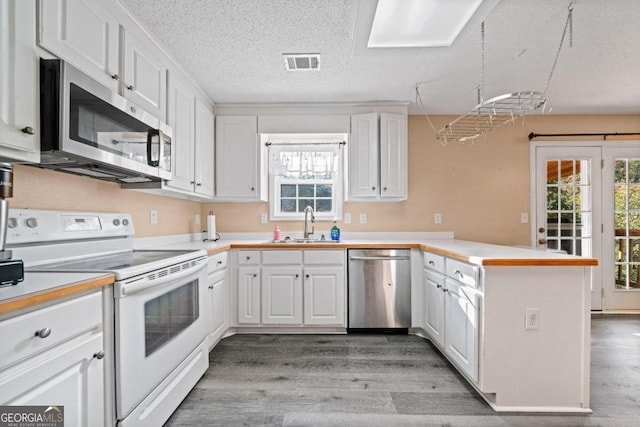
19	133
144	75
204	150
377	167
393	155
237	158
363	156
85	33
90	34
181	118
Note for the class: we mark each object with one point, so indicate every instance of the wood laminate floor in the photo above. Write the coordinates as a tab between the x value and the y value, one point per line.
388	380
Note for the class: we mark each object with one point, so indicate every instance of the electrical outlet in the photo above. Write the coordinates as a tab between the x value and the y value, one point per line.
196	220
437	218
347	218
524	218
532	319
153	216
363	218
264	218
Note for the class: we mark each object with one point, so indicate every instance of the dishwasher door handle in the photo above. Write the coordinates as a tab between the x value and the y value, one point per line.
378	258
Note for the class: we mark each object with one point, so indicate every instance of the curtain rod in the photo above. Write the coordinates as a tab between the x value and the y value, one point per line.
268	144
538	135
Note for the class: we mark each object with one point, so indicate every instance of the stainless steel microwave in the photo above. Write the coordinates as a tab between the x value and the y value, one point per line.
89	130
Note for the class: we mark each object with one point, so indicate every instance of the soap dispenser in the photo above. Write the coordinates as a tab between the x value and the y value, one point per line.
335	232
276	234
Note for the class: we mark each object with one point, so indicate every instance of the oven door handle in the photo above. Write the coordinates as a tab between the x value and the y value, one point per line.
144	282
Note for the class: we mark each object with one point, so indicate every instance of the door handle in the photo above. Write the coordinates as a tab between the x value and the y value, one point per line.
542	241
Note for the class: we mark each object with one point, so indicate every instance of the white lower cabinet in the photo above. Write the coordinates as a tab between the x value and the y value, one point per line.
218	298
291	288
434	305
249	295
452	310
324	290
281	295
63	365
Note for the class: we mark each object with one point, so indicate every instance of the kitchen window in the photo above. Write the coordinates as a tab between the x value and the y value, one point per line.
305	170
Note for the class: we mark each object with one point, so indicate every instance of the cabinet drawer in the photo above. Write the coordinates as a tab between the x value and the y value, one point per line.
282	257
433	262
217	262
464	273
323	257
63	321
248	257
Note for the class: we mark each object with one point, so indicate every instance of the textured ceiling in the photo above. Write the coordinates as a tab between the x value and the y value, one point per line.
233	50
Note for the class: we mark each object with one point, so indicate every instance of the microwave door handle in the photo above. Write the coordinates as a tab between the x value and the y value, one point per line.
150	134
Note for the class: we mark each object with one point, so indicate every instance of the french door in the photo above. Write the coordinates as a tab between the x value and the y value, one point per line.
587	202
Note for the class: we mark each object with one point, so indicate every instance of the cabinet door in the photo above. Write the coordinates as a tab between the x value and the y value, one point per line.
84	33
181	118
249	295
434	295
461	323
144	78
363	156
19	138
237	160
204	150
324	291
68	375
393	155
218	287
282	295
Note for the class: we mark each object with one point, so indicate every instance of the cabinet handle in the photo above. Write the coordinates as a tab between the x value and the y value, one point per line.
115	77
192	182
457	273
131	87
307	276
199	184
253	188
445	290
210	287
255	275
99	355
438	286
384	189
28	130
43	333
373	188
219	263
248	258
297	275
432	263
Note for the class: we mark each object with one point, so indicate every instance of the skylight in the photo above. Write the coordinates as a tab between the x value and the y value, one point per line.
419	23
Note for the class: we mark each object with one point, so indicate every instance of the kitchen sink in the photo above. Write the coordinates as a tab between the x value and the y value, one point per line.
298	241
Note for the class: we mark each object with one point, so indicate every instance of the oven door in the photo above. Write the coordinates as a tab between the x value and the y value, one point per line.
159	322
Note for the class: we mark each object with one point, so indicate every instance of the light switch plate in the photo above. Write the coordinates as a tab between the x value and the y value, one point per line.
363	218
437	218
347	218
264	218
153	216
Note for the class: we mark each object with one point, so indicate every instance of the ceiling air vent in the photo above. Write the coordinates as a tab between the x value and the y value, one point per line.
301	61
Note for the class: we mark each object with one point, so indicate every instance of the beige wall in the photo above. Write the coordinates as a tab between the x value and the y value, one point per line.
479	188
43	189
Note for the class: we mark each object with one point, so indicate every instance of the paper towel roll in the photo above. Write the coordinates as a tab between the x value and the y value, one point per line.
211	227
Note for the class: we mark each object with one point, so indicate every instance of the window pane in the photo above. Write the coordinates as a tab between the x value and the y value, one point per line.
552	171
303	203
324	190
287	190
288	205
634	171
323	205
305	190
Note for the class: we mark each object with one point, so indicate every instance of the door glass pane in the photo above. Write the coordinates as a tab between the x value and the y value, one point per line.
569	206
169	314
627	223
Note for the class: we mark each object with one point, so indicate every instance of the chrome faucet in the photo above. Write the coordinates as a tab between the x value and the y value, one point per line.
313	220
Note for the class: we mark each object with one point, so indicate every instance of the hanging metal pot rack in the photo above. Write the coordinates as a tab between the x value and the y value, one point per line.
503	109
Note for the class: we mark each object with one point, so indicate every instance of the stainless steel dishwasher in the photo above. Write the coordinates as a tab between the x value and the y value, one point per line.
379	290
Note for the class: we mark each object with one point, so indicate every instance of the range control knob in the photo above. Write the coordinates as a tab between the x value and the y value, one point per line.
12	223
125	222
116	222
31	222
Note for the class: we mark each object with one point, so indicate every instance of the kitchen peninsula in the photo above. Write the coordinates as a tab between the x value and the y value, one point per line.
514	321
